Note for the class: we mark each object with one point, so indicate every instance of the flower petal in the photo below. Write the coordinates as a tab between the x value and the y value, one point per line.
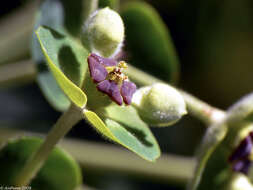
242	166
111	89
104	61
243	150
97	71
127	91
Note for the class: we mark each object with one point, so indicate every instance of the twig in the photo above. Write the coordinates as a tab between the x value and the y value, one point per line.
18	73
36	161
196	107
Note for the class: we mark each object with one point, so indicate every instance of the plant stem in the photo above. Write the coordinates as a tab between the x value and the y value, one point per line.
60	129
201	110
89	7
196	107
17	73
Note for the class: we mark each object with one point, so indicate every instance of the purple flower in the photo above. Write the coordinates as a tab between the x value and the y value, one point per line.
240	158
243	150
242	166
107	73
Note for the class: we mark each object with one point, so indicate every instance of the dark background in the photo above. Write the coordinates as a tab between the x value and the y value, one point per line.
213	39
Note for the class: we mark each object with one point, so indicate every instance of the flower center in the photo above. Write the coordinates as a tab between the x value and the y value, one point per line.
115	73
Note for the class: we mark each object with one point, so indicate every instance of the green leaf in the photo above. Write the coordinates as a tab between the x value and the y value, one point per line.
52	91
66	59
217	172
95	120
65	16
126	125
148	41
53	173
122	125
213	137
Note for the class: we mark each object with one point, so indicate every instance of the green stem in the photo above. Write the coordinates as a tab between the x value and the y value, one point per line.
89	7
201	110
196	107
60	129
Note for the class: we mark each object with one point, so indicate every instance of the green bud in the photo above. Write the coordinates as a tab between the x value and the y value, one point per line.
239	181
159	104
104	32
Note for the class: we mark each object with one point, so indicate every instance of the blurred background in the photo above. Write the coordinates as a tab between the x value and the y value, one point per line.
214	42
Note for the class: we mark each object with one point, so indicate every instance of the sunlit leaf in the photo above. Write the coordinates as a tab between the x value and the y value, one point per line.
60	171
65	16
137	137
94	119
66	59
148	41
122	125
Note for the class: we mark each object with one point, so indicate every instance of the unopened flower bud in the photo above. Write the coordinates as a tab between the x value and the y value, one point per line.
238	182
103	32
159	104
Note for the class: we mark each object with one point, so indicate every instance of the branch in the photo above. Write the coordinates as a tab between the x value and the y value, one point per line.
36	161
195	107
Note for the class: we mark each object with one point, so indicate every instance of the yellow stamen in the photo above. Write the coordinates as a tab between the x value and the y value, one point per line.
110	69
251	156
122	64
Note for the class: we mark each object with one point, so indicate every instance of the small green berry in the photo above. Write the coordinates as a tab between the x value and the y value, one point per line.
159	104
103	32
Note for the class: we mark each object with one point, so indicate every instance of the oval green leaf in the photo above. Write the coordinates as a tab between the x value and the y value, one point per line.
65	16
66	59
60	171
122	125
126	125
148	41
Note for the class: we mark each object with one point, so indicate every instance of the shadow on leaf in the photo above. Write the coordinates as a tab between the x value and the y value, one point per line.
69	64
55	34
137	133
